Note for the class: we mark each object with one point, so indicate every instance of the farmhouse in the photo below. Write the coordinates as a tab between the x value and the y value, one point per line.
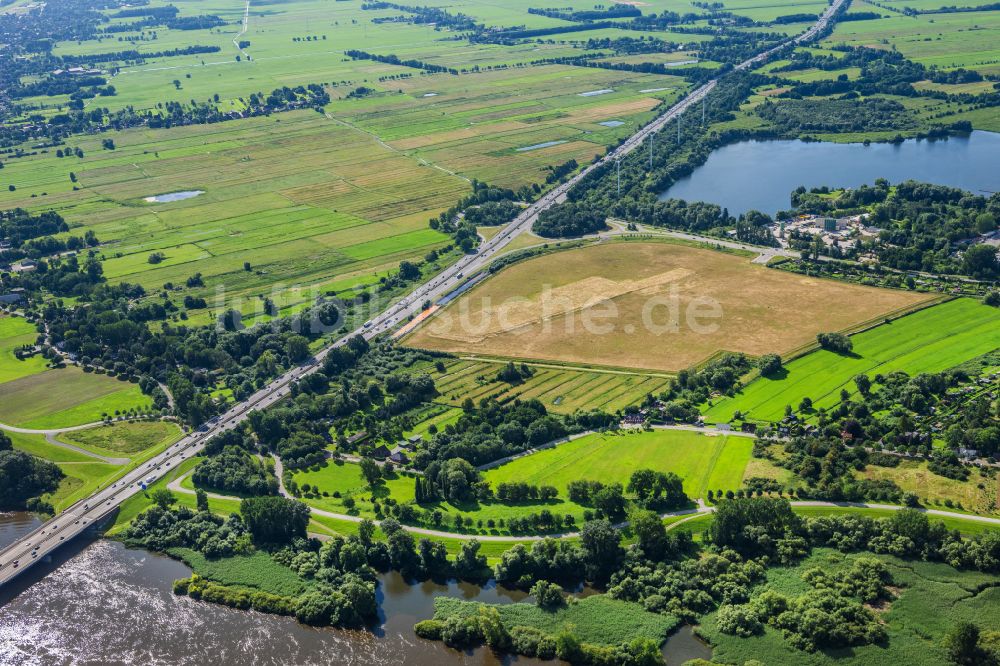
14	297
357	437
380	452
25	266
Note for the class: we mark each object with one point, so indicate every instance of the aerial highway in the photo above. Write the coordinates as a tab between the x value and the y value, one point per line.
81	516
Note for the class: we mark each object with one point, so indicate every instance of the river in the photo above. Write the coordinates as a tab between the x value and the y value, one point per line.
762	174
107	604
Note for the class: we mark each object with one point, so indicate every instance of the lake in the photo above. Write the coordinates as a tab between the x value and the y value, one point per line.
762	174
108	604
174	196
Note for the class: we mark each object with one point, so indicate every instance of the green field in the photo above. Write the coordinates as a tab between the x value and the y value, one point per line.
135	442
562	389
596	619
324	201
37	446
930	340
257	571
704	462
33	396
16	332
978	493
931	598
128	438
66	397
965	39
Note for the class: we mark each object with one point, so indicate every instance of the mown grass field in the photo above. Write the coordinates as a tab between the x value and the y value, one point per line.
649	305
33	396
16	332
66	397
704	462
931	598
931	340
562	390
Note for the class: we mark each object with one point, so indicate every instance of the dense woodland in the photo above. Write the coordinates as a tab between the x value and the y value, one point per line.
24	478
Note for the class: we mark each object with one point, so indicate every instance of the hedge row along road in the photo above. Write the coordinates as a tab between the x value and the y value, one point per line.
84	514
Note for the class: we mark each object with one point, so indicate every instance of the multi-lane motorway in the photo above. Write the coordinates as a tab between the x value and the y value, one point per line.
34	546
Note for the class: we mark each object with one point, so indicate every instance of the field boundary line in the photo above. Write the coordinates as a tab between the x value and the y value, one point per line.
873	323
555	365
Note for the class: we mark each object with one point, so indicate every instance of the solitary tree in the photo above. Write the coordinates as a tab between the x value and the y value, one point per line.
162	497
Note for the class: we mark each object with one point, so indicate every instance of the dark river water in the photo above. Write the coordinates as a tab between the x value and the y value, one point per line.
108	605
762	174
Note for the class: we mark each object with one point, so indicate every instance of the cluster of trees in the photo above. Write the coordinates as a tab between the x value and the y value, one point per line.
495	430
485	627
519	491
928	227
456	220
161	528
492	213
835	342
568	220
235	470
341	584
359	388
615	11
558	173
657	489
831	615
799	116
274	520
453	480
23	478
355	54
515	374
439	17
18	225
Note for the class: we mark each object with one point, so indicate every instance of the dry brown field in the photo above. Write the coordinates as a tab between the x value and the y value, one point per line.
649	305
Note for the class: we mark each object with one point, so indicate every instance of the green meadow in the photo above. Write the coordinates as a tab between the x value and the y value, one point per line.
961	39
596	619
84	471
66	397
15	333
931	340
34	396
704	462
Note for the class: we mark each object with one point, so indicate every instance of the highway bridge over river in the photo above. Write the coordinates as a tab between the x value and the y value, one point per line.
36	545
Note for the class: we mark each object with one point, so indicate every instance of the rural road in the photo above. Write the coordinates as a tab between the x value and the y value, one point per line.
37	544
701	509
50	431
51	439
